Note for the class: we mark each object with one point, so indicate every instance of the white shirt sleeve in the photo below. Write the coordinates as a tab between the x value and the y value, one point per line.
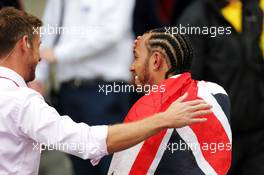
43	124
112	21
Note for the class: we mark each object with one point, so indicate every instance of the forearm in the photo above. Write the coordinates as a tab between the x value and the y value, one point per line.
123	136
178	114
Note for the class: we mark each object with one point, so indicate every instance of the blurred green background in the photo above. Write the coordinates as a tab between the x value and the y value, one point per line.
35	7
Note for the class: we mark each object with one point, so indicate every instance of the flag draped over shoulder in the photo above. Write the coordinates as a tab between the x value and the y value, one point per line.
197	149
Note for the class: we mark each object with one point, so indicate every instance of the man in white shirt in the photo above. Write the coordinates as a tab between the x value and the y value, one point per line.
27	122
94	48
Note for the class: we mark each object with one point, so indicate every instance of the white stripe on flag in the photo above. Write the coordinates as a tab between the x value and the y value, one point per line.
160	152
122	161
190	138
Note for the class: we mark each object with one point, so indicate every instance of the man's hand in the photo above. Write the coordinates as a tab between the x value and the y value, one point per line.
181	114
48	54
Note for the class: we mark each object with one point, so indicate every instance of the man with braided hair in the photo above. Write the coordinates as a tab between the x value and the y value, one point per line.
164	59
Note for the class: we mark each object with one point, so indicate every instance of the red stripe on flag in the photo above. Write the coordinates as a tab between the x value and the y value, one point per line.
214	144
212	133
147	154
150	147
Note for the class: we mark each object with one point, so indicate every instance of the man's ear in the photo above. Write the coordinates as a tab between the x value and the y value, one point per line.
25	43
157	61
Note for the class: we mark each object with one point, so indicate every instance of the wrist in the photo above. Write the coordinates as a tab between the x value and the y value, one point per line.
161	121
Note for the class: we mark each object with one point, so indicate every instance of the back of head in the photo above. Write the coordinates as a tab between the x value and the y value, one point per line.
14	24
175	47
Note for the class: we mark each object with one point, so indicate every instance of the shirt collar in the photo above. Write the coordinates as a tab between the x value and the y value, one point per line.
176	76
12	75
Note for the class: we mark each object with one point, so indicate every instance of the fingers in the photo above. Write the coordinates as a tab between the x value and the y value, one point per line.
194	102
199	107
199	113
186	113
182	98
196	120
191	120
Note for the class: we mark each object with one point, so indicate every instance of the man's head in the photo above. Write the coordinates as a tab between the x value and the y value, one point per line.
19	43
159	55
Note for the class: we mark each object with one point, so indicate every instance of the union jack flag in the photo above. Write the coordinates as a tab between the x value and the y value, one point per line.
197	149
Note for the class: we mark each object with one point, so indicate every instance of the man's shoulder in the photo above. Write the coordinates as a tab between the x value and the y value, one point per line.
20	95
215	95
28	93
14	99
143	108
211	87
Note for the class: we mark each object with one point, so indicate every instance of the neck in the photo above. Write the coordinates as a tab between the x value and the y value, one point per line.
158	78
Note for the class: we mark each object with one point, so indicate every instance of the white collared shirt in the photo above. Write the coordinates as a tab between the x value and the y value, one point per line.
26	122
97	40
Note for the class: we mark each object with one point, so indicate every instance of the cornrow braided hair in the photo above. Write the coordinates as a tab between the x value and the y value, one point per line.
175	48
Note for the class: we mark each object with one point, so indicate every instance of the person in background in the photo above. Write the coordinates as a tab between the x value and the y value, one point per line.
150	14
11	3
234	59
